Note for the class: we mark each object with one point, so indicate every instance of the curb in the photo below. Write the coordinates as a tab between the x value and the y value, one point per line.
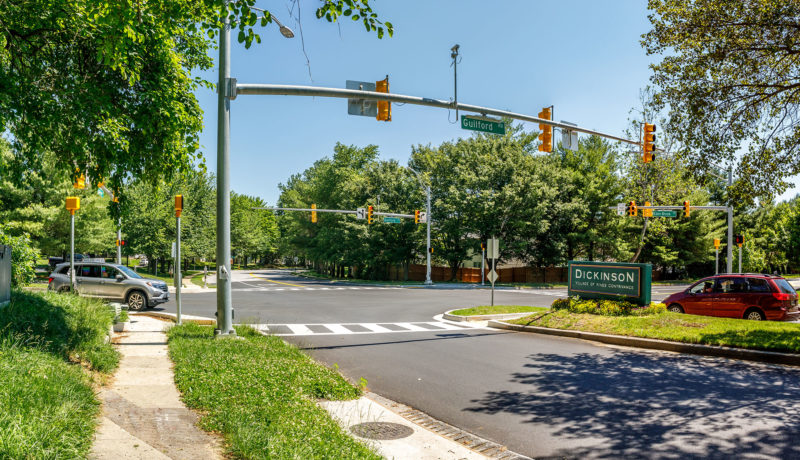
174	317
655	344
474	318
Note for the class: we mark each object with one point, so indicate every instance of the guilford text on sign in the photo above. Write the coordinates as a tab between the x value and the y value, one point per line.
481	124
608	280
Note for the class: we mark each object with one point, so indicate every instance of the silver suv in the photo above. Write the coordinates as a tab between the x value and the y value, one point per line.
111	282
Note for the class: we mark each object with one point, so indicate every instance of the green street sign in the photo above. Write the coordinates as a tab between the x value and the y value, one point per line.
664	213
483	125
609	280
392	220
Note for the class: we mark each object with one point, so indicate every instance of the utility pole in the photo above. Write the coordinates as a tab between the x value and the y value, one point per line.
178	280
224	96
119	241
730	224
73	204
428	218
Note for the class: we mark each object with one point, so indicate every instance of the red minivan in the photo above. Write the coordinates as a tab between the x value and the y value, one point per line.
738	295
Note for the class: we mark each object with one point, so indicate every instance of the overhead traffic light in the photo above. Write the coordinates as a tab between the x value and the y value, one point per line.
686	209
313	213
547	131
120	242
416	216
647	212
739	240
369	214
632	209
80	182
384	107
648	144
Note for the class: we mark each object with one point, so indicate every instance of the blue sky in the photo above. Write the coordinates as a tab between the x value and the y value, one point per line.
584	57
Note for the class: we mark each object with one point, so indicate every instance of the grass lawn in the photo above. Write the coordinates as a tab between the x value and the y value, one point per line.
678	327
260	393
52	346
198	279
496	310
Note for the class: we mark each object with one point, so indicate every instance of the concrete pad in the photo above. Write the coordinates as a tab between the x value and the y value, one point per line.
127	376
422	444
114	443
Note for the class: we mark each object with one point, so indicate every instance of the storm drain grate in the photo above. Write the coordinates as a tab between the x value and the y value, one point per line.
382	431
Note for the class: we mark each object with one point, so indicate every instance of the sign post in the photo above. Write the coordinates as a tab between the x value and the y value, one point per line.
608	280
73	204
178	280
716	256
493	248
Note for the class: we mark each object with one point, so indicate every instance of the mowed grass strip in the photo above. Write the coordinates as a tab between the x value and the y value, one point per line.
496	310
678	327
260	393
50	344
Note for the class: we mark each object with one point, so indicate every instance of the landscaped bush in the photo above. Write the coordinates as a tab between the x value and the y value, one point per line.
607	307
23	258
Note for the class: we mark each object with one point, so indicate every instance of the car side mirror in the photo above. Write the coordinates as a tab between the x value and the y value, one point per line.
120	277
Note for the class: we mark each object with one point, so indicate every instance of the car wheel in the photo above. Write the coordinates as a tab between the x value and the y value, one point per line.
136	300
675	308
754	315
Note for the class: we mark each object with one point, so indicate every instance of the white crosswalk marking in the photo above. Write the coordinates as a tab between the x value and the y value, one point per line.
374	327
338	329
357	328
300	329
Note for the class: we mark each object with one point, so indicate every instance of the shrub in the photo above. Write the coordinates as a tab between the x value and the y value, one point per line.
23	257
606	307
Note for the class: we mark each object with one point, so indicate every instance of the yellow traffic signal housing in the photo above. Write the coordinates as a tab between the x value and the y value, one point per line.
416	216
716	243
80	182
632	209
73	204
313	213
648	142
384	107
178	205
686	209
369	214
546	137
647	212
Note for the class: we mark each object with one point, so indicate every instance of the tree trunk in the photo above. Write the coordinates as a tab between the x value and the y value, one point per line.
405	270
453	269
641	242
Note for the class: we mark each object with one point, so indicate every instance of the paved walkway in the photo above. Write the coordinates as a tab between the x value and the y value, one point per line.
143	416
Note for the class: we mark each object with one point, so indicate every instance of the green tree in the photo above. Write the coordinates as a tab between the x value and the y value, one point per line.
729	77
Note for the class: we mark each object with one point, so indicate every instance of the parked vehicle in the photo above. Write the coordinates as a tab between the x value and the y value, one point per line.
53	261
113	282
738	295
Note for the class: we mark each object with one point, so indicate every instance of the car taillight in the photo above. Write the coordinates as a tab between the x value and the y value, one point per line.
781	296
49	280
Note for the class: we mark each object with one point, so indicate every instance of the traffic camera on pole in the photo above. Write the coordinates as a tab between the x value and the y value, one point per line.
547	131
384	107
648	144
369	214
416	216
313	213
686	209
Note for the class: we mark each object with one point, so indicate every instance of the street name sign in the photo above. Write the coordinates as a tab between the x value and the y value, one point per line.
392	220
609	280
483	125
664	213
492	248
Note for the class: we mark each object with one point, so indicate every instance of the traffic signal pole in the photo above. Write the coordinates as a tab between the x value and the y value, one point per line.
730	226
119	241
428	218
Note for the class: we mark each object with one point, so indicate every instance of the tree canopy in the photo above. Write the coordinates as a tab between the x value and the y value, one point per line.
730	78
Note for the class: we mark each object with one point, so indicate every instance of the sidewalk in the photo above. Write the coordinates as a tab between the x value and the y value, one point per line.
143	416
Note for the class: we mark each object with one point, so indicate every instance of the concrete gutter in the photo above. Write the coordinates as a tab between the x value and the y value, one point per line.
654	344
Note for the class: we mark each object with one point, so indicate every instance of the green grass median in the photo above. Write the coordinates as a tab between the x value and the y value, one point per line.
260	393
496	310
51	348
657	323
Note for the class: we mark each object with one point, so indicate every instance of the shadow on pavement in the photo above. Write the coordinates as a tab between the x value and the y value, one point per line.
644	405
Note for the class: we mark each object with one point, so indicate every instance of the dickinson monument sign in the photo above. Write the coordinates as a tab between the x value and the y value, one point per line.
609	280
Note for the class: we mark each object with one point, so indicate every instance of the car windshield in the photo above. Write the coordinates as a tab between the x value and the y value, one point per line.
784	286
129	272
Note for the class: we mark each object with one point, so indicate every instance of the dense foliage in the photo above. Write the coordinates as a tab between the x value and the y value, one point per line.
606	307
23	257
729	76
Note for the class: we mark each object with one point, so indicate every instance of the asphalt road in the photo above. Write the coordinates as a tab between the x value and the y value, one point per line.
539	395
